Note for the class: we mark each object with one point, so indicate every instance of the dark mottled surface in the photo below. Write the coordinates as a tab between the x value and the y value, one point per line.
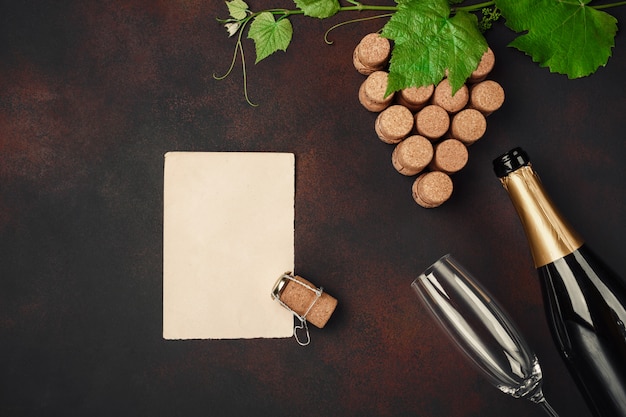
93	93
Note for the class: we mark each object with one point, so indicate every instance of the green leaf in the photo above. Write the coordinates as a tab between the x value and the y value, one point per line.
567	36
269	35
428	43
318	8
238	9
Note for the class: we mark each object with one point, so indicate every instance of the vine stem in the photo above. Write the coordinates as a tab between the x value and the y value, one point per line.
474	7
357	8
364	7
478	6
607	6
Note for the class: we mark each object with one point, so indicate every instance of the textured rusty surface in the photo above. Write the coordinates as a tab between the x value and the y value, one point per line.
92	94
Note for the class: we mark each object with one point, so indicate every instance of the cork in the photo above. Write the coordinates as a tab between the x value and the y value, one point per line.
372	92
415	98
444	98
449	156
486	97
394	124
432	122
371	54
412	155
300	297
484	67
359	65
432	189
468	126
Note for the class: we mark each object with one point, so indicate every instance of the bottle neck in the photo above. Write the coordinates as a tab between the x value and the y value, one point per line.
550	237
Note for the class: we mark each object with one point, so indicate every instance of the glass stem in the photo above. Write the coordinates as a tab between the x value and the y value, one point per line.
547	408
538	398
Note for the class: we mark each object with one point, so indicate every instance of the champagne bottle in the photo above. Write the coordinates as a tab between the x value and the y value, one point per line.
585	301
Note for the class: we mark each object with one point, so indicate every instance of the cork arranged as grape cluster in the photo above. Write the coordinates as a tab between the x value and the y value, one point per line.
430	128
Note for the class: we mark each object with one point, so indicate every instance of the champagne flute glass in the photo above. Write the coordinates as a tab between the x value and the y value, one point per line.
482	330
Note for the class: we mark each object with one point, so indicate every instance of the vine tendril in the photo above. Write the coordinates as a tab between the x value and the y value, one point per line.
362	19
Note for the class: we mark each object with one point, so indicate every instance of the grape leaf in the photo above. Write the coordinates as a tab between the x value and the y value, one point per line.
238	9
318	8
269	35
428	43
566	36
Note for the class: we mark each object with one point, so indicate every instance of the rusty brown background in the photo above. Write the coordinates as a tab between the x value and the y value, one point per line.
93	93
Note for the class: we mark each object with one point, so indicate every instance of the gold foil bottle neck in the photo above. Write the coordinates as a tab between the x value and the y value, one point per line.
549	235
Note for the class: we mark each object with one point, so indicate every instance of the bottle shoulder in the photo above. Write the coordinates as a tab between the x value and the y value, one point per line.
582	287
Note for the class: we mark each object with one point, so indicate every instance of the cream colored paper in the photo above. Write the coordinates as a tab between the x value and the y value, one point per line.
228	234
